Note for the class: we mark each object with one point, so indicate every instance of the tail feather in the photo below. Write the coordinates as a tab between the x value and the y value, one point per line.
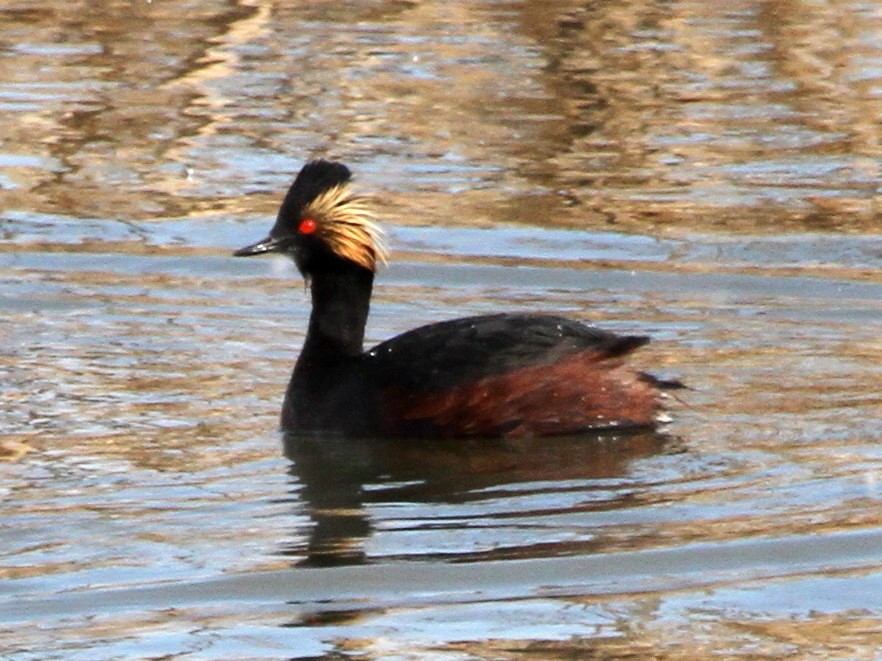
663	383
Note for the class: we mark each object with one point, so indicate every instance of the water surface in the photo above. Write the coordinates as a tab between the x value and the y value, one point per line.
704	173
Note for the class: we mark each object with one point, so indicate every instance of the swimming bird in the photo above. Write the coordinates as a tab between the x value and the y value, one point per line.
495	375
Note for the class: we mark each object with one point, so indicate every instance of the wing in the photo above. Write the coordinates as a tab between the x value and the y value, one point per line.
443	355
509	374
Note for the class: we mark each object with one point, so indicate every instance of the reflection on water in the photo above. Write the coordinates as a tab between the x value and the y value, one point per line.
490	496
706	173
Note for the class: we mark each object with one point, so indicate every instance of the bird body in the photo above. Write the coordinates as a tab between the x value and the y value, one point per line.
485	376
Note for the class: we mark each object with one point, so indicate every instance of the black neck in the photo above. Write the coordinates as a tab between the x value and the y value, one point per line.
340	302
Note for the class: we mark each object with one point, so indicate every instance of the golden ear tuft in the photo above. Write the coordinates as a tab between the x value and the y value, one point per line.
346	224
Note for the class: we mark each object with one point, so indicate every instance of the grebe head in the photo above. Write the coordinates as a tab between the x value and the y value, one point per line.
322	223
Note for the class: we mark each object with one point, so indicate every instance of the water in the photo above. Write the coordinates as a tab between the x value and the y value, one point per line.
704	173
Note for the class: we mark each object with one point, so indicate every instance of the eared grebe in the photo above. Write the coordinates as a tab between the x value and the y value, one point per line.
485	376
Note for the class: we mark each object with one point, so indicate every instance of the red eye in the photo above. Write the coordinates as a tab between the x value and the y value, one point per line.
307	226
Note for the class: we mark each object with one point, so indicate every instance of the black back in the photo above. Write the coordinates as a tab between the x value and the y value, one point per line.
446	354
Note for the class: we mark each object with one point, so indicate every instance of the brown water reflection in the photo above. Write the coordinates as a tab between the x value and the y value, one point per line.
749	116
706	173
